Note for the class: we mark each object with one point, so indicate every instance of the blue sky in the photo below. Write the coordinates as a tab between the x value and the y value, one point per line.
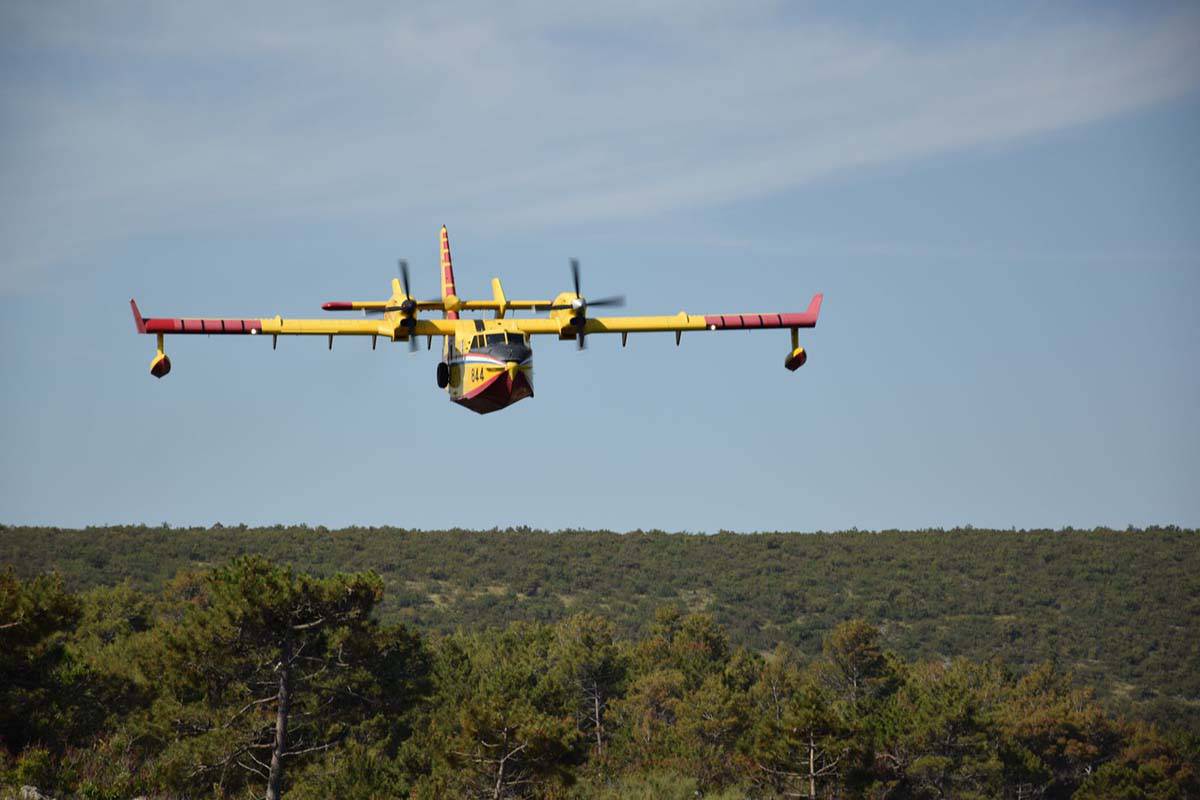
1000	203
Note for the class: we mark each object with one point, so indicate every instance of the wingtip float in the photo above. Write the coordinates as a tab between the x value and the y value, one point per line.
486	364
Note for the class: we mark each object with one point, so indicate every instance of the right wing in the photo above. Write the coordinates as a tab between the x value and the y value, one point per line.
389	325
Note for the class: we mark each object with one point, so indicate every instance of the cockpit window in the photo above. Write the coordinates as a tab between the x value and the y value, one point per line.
481	340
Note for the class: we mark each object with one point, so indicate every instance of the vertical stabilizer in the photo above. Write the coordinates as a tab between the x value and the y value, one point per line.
447	272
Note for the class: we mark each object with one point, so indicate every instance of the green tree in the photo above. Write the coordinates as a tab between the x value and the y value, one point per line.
264	667
594	669
797	740
937	735
111	614
856	668
504	722
363	771
710	721
695	645
646	717
657	785
36	675
1055	734
1150	766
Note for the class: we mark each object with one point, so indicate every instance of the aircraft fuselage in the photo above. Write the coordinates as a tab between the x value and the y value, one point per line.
486	367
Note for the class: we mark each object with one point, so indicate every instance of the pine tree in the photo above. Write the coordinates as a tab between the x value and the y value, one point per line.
797	742
504	722
35	617
594	671
265	667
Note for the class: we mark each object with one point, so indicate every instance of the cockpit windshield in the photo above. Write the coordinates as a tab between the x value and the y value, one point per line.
481	340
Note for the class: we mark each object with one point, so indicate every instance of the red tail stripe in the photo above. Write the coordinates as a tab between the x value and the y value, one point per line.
448	287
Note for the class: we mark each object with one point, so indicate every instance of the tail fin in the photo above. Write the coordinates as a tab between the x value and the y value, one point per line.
447	272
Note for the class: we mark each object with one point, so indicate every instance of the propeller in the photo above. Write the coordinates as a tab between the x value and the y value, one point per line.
580	305
407	307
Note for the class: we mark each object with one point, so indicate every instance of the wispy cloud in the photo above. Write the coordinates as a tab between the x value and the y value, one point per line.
161	119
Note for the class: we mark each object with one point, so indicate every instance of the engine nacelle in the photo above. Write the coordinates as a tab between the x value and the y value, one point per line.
795	359
161	365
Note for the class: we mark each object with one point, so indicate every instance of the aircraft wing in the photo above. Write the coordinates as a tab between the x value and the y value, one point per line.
565	326
389	325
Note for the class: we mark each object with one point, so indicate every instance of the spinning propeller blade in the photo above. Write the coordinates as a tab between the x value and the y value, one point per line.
580	305
407	307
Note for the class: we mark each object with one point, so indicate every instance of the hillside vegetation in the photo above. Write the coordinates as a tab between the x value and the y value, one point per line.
1119	610
251	680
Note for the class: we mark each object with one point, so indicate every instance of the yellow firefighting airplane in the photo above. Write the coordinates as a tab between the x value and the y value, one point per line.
487	364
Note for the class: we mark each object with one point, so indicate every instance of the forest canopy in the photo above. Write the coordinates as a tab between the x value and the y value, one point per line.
249	679
1120	610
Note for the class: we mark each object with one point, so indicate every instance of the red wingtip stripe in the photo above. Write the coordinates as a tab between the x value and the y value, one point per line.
808	319
814	306
138	322
205	326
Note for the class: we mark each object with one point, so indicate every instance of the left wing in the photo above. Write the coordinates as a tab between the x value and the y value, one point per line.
573	325
563	323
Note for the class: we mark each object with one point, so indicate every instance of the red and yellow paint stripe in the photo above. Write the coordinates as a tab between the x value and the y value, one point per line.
448	289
